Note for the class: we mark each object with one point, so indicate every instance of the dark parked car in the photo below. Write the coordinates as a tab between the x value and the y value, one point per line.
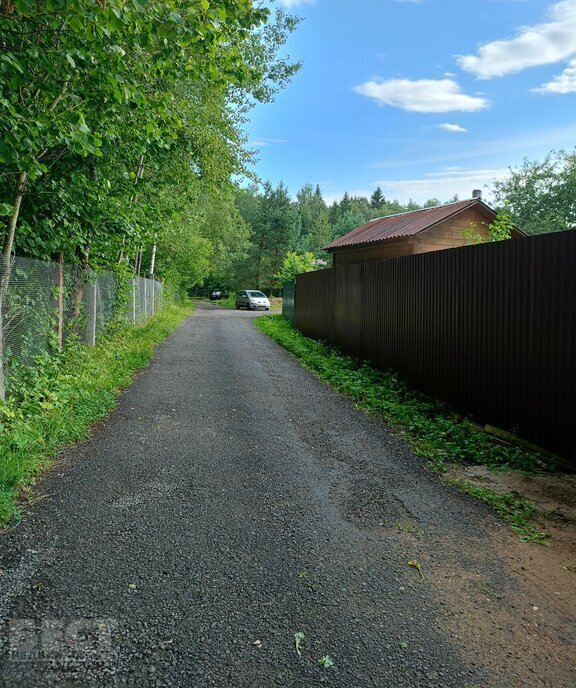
217	295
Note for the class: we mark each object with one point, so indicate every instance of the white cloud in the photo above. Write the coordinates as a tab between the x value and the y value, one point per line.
542	44
513	149
442	185
261	142
452	127
296	3
425	95
561	84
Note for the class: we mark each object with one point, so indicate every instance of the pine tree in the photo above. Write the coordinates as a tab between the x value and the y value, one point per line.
310	206
345	203
347	222
276	231
320	235
377	199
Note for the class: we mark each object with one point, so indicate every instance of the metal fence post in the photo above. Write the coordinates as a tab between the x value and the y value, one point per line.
60	325
152	300
143	305
133	302
91	307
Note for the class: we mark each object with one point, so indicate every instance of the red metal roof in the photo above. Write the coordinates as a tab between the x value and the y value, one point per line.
403	224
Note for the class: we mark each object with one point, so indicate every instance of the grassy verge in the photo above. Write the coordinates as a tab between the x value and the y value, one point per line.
433	430
54	402
515	510
228	302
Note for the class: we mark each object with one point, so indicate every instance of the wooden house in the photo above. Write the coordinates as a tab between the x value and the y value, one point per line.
417	231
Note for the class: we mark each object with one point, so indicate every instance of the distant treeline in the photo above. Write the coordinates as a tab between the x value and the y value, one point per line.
284	231
280	234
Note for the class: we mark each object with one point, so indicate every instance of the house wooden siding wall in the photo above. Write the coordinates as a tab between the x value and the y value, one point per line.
451	232
447	234
393	248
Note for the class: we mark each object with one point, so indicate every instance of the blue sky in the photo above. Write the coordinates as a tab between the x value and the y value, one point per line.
426	98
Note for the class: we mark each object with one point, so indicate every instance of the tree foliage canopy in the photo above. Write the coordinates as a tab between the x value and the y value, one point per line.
540	196
295	264
121	127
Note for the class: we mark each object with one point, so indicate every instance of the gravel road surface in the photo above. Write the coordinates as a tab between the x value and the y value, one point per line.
233	500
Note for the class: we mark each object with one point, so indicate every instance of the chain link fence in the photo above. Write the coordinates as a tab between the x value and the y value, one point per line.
43	305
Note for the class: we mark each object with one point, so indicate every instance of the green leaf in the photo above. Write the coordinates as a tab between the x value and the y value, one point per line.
326	662
6	209
417	565
298	640
7	154
25	5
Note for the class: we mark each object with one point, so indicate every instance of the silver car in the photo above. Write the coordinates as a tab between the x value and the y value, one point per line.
252	300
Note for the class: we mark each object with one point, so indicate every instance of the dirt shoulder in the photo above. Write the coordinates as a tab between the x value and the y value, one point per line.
531	611
554	499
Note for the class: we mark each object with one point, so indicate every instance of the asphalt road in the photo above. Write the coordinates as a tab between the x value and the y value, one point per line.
231	501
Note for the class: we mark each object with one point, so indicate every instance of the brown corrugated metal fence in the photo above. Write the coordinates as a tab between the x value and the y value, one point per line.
491	329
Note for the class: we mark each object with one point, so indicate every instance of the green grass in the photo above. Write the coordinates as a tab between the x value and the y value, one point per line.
515	510
433	430
228	302
55	401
